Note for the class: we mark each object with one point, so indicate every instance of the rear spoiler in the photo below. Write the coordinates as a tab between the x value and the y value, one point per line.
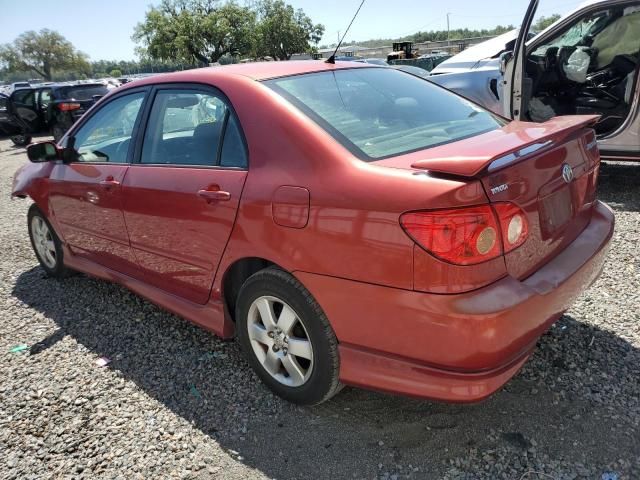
502	147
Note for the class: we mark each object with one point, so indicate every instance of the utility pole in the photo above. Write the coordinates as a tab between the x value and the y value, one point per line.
448	33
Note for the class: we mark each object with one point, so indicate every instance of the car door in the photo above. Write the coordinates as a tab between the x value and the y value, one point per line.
85	190
514	72
181	194
6	124
23	106
43	100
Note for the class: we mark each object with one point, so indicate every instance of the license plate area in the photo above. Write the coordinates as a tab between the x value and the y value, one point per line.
556	210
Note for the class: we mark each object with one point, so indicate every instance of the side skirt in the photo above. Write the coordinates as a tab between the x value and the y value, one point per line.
211	316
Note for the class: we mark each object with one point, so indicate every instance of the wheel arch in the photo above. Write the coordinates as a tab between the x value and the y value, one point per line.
236	274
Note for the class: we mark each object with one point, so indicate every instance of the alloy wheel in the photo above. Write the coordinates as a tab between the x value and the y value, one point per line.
43	241
280	341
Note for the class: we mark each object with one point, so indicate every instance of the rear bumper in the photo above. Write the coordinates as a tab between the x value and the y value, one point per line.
459	348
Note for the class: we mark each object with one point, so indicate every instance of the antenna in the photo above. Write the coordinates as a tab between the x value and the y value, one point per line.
332	58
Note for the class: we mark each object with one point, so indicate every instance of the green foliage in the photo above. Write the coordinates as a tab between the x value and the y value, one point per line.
456	34
208	31
543	22
115	73
196	30
434	36
42	52
282	31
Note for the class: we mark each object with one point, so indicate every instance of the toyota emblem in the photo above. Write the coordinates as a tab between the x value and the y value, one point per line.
567	173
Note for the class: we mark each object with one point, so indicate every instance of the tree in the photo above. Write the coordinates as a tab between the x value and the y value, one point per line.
196	30
283	31
543	22
43	52
115	73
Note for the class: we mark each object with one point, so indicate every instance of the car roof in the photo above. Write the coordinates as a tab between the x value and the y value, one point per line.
254	70
77	85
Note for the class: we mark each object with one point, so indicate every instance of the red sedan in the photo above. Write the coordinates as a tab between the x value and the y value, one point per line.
351	224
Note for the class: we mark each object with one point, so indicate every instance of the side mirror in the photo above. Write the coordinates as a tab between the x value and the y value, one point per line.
43	152
505	58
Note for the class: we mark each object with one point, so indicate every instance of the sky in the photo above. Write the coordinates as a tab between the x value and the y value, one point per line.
102	28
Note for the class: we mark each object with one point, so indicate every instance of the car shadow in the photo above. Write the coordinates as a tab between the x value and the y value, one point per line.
619	185
547	407
21	149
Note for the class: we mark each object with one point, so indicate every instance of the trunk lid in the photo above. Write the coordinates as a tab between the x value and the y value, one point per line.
549	170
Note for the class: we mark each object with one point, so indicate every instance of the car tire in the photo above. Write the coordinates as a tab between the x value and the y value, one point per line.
46	244
21	140
58	132
287	338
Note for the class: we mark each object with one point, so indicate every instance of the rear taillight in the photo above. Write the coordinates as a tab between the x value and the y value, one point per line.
464	236
67	107
468	236
513	224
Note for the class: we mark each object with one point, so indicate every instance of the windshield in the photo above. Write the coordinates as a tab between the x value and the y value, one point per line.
577	34
381	112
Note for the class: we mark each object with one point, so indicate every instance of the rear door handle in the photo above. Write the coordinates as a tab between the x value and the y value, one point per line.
214	195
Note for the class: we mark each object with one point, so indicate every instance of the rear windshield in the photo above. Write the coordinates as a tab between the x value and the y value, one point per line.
82	92
382	112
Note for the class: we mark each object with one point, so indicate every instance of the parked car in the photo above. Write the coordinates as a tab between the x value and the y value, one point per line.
420	72
4	115
355	58
21	114
375	61
16	85
48	108
585	63
68	104
351	224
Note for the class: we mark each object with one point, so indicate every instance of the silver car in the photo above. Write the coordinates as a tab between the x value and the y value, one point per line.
586	63
474	73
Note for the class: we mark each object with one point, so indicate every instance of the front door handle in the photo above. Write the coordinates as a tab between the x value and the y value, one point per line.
214	195
109	182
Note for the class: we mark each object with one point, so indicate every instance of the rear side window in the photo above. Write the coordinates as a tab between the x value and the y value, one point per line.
83	92
191	127
382	112
233	150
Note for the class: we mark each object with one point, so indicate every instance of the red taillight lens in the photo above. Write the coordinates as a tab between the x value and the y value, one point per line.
464	236
67	107
514	225
468	236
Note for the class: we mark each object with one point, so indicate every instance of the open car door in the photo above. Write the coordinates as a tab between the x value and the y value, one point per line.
515	80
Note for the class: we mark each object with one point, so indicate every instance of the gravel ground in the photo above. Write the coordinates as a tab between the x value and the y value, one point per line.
176	402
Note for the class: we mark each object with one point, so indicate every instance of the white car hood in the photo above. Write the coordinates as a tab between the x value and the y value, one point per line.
478	56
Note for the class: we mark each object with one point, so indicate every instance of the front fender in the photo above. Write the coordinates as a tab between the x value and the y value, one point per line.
31	181
474	85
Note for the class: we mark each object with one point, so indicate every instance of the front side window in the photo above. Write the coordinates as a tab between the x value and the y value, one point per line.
106	136
187	127
380	112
